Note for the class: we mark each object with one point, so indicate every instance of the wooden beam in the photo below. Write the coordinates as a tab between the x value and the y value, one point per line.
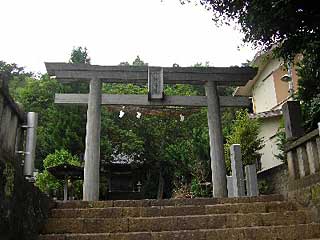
142	100
66	72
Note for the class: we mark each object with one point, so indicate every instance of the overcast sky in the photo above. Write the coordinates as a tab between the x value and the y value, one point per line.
114	31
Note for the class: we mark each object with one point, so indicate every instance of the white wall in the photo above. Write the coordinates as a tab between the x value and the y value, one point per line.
263	92
269	127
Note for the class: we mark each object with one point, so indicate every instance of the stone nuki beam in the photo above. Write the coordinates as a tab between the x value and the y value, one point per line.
142	100
67	72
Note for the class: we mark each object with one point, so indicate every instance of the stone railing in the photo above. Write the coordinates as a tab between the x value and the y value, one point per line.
303	155
302	150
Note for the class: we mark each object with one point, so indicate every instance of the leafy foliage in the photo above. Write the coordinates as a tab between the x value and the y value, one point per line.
198	190
47	182
288	28
139	62
244	131
309	87
281	140
13	76
265	187
60	157
292	23
59	126
311	110
80	55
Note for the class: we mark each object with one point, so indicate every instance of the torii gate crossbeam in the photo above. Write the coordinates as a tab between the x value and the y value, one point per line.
142	100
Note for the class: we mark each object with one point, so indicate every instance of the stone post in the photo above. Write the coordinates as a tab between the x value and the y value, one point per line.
230	186
65	190
251	180
218	167
293	119
92	151
237	170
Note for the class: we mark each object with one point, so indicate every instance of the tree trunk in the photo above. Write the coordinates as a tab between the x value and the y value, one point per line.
160	185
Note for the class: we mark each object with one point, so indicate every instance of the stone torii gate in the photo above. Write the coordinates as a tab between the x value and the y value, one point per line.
155	77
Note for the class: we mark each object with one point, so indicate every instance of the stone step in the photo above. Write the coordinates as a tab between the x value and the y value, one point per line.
290	232
166	202
174	223
158	211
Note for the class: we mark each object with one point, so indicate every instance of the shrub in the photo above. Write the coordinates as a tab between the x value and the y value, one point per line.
48	183
199	190
244	131
281	141
311	112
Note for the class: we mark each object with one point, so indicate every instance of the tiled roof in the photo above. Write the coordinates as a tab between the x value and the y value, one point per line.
267	114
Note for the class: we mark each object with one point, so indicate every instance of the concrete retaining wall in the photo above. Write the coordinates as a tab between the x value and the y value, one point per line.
274	180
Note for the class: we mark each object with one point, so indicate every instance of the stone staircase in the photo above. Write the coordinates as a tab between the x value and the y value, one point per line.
263	217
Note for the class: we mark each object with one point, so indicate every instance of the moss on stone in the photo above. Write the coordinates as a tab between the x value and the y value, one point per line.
9	173
315	194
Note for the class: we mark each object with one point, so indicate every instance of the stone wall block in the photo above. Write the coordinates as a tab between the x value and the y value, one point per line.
1	106
12	134
5	128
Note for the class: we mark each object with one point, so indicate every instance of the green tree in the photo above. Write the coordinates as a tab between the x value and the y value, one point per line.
158	141
13	76
291	25
79	55
58	126
47	182
190	155
139	62
244	131
281	140
287	27
309	86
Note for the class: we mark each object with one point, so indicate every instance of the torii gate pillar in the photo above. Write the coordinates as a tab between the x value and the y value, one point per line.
92	151
218	166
